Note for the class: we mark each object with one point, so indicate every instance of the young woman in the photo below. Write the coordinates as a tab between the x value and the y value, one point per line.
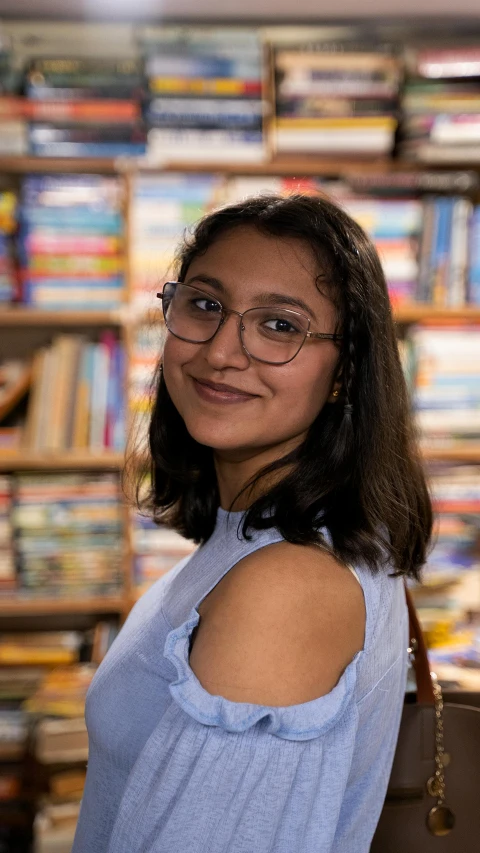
252	701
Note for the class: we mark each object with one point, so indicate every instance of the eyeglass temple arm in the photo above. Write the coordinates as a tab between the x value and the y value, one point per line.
324	336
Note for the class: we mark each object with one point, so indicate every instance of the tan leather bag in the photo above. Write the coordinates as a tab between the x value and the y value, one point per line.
433	798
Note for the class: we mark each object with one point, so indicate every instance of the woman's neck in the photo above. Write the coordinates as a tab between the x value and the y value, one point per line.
233	474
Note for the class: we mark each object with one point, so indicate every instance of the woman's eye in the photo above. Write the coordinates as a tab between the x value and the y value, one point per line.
206	305
276	325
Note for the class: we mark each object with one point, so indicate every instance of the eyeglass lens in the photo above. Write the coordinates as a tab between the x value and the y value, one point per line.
273	335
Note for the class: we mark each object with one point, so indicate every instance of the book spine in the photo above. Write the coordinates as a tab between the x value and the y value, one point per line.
111	134
118	433
108	341
81	418
442	252
118	68
93	110
88	149
71	220
457	283
98	412
209	67
74	265
113	91
205	86
474	258
41	244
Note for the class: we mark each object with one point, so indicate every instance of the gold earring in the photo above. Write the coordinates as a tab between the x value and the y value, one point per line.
335	393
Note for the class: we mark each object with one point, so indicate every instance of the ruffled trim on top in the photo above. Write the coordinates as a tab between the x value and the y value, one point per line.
293	722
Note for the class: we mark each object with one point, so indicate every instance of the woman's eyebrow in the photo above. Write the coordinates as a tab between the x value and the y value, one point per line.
262	298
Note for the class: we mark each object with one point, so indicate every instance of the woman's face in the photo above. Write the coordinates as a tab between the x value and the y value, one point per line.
280	402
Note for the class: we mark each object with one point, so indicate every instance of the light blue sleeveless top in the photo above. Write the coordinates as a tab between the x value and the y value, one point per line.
174	769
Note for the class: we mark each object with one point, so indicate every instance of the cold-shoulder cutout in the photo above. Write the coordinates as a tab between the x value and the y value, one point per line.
292	722
280	628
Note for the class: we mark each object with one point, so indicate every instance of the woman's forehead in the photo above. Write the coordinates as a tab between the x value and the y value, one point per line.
248	258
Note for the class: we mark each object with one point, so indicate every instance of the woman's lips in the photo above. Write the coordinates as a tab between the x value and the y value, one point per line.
220	395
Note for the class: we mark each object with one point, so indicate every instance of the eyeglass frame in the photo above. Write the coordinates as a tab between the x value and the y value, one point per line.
324	336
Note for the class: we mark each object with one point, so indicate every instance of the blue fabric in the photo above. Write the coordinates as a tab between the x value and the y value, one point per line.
173	769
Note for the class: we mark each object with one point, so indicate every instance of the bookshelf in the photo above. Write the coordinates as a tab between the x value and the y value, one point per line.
128	317
30	328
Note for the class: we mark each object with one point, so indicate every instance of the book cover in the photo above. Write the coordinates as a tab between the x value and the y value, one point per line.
98	403
81	415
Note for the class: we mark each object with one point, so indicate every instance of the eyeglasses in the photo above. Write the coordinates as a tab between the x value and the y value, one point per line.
271	335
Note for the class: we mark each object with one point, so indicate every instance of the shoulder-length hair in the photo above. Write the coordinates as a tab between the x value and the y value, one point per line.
358	472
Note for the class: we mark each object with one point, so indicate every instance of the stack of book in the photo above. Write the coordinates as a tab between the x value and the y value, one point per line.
7	563
157	549
61	746
71	242
446	393
85	107
40	648
205	88
76	400
448	600
8	225
448	257
68	535
62	693
441	105
162	207
336	98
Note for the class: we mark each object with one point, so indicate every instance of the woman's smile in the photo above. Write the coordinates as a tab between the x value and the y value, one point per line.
217	393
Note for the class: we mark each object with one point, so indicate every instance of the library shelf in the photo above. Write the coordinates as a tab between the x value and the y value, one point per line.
25	316
294	165
416	313
44	460
30	607
18	164
461	453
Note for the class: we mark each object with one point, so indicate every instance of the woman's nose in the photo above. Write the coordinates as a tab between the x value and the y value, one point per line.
225	349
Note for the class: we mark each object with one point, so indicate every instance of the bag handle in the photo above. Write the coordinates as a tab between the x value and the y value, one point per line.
425	692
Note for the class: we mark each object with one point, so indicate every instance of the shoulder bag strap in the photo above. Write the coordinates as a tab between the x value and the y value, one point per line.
425	694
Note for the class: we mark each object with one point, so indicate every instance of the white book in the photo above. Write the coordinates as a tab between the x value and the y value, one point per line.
98	402
457	276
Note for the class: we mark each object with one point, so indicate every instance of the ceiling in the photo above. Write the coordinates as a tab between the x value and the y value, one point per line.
253	10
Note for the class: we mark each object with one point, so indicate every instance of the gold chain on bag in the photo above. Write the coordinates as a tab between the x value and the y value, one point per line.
440	819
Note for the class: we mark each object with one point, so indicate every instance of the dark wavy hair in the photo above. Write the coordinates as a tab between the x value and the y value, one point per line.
358	472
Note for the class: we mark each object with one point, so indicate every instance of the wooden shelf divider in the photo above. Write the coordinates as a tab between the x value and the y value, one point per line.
29	607
24	460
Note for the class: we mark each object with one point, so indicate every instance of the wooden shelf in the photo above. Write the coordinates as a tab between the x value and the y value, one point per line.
23	164
293	165
296	165
24	316
53	461
31	607
415	313
453	454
